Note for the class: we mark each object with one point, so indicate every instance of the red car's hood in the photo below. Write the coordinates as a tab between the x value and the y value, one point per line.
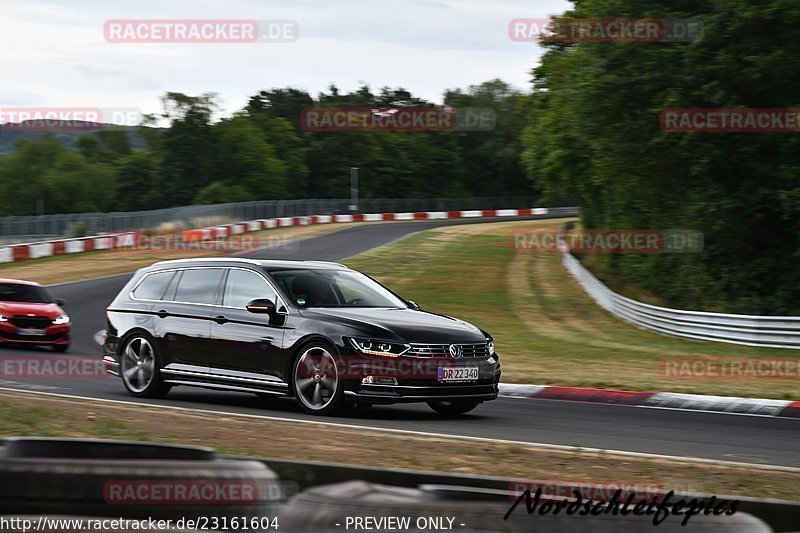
19	308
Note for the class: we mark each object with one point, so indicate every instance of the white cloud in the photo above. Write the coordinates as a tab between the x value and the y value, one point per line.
53	52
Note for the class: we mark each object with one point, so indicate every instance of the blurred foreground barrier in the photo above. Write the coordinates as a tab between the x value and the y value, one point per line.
327	491
50	476
750	330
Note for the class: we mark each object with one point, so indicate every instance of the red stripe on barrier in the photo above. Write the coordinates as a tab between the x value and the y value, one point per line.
20	253
490	212
88	245
388	216
358	217
791	411
525	212
454	214
579	394
59	248
421	216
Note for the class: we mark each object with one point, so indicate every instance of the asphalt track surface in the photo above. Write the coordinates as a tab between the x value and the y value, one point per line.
739	438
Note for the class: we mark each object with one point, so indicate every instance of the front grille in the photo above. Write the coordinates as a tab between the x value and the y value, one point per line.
36	322
480	349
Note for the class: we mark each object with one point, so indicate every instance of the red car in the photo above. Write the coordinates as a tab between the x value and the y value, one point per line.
29	315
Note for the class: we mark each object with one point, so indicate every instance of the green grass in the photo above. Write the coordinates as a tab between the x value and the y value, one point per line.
547	330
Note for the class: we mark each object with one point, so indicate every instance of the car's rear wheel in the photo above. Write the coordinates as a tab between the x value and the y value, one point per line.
139	368
453	407
316	382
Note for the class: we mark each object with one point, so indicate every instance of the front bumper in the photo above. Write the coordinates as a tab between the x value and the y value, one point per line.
387	394
53	335
427	387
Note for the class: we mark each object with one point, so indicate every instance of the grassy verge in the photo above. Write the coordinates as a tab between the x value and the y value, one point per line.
548	331
28	414
87	265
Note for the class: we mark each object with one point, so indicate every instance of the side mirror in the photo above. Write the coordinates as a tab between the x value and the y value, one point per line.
413	305
262	306
59	302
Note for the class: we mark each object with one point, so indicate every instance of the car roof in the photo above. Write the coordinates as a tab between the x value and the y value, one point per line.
19	282
268	264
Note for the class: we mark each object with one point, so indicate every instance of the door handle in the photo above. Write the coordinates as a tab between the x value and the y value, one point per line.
163	313
220	319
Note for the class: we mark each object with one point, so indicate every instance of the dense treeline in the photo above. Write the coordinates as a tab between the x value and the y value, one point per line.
594	131
263	153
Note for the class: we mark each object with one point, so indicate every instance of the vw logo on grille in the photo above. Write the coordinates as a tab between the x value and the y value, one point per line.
455	351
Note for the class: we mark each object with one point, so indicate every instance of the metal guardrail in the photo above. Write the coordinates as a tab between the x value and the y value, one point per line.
95	223
749	330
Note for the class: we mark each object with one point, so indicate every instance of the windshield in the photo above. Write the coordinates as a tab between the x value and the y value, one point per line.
15	292
334	288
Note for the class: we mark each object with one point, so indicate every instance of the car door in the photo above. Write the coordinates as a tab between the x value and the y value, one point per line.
248	346
183	319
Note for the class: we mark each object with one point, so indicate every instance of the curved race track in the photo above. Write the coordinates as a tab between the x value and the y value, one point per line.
740	438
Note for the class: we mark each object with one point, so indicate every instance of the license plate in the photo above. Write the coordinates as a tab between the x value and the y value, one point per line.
31	332
458	373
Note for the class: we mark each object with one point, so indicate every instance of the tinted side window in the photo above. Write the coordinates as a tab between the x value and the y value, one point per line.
153	286
198	286
243	286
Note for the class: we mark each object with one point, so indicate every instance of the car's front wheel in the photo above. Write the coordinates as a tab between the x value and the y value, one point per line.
316	382
453	407
139	368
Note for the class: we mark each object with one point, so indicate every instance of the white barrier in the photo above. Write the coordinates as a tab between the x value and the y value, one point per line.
749	330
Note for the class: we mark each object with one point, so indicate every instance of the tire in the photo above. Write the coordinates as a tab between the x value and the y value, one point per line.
44	476
61	348
140	351
317	394
454	407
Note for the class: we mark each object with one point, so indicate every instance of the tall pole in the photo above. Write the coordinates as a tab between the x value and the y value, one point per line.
353	189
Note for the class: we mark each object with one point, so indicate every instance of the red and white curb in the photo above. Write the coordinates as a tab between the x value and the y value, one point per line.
669	400
22	252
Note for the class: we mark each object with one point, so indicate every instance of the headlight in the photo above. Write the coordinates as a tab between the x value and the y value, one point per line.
376	347
3	319
490	347
63	319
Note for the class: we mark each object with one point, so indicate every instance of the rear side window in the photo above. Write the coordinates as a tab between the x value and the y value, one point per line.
153	286
199	286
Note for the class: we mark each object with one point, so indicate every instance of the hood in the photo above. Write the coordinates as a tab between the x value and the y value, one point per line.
21	308
399	324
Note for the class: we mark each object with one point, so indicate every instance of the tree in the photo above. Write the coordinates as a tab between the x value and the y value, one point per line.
594	131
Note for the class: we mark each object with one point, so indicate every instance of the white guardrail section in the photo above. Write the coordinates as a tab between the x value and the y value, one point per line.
749	330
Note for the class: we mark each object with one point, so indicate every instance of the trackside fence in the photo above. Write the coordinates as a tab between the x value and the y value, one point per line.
749	330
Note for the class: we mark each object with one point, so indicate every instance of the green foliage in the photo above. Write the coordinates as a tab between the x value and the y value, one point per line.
220	193
262	153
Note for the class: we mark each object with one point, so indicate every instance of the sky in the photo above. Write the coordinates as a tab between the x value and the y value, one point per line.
54	53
